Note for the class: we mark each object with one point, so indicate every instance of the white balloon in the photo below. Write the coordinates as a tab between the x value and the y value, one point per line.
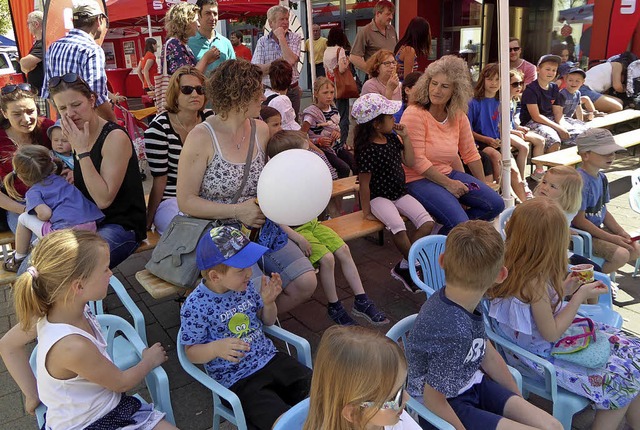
294	187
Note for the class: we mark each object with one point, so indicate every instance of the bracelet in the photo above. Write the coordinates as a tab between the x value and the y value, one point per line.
83	155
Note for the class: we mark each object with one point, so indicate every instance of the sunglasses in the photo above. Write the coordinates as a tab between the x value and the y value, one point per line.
188	89
68	78
8	89
517	84
516	49
395	404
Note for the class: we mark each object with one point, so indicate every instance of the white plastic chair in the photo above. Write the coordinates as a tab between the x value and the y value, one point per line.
157	380
235	413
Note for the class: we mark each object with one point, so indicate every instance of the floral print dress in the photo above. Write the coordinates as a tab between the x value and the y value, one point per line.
178	54
613	386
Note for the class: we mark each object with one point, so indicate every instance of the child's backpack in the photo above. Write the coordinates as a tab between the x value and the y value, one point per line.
633	79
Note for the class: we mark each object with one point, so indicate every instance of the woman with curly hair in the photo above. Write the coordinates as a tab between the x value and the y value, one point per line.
440	130
182	23
211	170
384	78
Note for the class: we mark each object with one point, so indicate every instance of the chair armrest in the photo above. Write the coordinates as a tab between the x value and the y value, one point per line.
586	237
129	304
301	345
419	283
577	244
425	413
517	376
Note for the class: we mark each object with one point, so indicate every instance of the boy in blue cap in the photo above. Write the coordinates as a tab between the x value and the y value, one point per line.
222	321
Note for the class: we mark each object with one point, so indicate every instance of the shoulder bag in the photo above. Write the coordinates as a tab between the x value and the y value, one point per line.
346	87
174	258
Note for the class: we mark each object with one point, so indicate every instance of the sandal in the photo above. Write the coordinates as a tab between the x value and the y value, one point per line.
11	264
370	312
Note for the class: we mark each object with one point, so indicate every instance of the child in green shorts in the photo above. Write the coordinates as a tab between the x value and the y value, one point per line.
323	247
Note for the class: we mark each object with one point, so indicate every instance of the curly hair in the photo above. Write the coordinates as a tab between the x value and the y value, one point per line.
489	71
376	60
178	19
234	85
457	72
173	89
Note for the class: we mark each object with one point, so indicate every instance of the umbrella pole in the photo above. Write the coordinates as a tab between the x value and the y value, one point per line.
149	24
311	54
505	126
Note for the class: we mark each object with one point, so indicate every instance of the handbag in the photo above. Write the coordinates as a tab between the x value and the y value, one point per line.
346	87
580	345
161	82
174	257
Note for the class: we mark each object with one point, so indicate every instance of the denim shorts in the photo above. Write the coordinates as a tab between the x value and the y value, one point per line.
289	262
587	91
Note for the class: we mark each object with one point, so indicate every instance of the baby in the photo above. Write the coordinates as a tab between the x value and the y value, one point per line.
60	145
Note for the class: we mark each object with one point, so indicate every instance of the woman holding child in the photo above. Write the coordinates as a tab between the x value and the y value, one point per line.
19	126
105	168
213	183
439	129
164	139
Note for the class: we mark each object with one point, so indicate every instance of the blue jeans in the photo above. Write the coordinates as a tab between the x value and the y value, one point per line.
122	243
446	209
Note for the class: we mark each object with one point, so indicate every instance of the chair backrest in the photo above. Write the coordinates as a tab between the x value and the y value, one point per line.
502	220
400	330
427	251
634	198
294	418
635	177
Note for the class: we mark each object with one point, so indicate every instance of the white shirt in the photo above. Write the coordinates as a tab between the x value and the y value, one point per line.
283	105
599	77
405	423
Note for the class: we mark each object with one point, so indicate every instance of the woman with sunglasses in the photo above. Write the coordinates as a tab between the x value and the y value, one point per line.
164	139
212	183
19	126
359	380
384	78
106	166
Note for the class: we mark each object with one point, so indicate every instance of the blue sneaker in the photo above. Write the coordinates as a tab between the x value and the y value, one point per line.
339	315
370	312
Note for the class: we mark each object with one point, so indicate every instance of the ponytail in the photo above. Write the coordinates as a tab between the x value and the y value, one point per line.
9	186
29	305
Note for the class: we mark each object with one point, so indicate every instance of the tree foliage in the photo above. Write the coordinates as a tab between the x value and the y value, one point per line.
5	17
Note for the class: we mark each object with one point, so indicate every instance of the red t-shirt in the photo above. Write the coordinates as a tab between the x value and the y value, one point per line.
242	52
7	148
153	71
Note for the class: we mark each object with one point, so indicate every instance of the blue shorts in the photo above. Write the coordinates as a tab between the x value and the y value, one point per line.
481	407
587	91
289	262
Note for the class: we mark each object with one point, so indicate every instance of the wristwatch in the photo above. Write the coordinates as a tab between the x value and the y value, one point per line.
83	155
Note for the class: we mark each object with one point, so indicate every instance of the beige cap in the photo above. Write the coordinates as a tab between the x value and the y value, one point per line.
86	8
598	140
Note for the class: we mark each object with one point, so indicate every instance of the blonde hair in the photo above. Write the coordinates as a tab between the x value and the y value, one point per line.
515	73
536	252
570	185
59	258
318	84
32	164
178	19
473	256
376	60
285	140
457	72
353	365
173	89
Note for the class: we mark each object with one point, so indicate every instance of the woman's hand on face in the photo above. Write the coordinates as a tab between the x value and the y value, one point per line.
457	188
393	81
78	139
249	214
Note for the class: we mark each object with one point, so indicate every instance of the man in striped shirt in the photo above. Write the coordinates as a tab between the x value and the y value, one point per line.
79	53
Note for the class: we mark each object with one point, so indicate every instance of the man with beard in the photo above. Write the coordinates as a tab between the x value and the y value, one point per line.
240	49
79	53
516	62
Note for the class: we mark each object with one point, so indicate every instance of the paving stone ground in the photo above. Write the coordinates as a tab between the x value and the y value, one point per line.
192	403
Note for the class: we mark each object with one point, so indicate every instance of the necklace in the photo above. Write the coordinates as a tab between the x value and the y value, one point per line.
244	135
182	125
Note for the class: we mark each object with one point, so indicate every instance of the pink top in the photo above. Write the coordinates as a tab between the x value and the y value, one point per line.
373	85
529	70
437	144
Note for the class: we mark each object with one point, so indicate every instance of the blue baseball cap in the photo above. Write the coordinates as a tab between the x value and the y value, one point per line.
227	245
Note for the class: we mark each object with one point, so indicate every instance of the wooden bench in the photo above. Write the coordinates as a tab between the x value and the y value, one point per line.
158	288
345	186
570	157
615	118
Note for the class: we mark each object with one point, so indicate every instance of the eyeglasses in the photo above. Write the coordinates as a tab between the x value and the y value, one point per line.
517	84
188	89
68	78
8	89
395	404
516	49
389	63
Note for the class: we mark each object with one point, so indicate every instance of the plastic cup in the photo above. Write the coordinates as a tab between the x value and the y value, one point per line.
584	272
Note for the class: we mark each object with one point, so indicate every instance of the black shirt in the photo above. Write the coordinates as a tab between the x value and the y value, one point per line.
36	76
384	162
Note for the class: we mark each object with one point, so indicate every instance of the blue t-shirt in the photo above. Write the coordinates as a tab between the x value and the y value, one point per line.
484	116
200	45
445	348
595	196
69	207
545	99
571	102
207	316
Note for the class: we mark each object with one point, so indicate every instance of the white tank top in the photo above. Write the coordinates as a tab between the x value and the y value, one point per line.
599	77
72	403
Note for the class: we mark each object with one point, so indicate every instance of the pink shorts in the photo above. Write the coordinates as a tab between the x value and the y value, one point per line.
90	226
389	212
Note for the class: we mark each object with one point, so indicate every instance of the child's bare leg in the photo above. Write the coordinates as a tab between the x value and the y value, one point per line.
517	185
23	238
349	269
165	425
609	419
494	156
520	414
537	146
633	413
424	230
619	258
297	292
328	277
608	104
401	241
523	153
588	104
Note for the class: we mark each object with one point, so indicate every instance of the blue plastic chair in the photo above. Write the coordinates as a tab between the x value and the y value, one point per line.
565	403
634	202
426	251
502	220
602	311
235	414
294	418
157	380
